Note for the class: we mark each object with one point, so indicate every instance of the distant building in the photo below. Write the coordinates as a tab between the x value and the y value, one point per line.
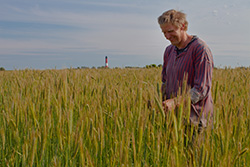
106	62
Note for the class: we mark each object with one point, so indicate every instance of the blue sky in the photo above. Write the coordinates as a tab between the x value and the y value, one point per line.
48	34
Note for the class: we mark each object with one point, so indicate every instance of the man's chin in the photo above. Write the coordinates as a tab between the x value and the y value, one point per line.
174	43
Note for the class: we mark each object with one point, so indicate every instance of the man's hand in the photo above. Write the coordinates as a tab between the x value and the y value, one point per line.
169	105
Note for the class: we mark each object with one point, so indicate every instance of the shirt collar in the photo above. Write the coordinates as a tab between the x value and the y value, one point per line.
184	49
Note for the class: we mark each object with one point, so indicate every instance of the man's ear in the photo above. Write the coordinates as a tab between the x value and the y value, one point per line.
182	26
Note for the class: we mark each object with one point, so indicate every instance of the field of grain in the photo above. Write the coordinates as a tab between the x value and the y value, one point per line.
113	117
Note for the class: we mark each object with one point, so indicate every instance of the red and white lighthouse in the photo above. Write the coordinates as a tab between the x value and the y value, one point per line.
106	62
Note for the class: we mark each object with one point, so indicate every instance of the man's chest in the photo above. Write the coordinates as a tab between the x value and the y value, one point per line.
179	64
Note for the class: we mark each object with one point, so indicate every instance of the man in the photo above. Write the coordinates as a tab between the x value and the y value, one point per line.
189	59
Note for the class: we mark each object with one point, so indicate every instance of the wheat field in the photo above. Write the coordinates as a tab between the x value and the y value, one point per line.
113	117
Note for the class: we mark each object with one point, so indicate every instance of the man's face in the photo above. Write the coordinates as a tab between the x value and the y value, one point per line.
172	33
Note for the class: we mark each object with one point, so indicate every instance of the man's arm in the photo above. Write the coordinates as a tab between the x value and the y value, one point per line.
203	74
163	76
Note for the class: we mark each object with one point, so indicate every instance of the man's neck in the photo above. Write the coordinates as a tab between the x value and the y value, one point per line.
185	40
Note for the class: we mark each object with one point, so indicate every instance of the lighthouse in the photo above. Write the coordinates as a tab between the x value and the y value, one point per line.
106	62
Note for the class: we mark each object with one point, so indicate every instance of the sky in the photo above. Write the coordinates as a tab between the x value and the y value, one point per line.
56	34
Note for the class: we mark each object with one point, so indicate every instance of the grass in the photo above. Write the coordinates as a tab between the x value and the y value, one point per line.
113	117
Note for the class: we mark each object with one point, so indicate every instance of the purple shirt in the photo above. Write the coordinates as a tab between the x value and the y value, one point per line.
195	65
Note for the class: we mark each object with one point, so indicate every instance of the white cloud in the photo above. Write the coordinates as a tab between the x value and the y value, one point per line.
215	12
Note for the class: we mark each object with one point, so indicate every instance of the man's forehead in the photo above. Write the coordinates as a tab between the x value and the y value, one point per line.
168	26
